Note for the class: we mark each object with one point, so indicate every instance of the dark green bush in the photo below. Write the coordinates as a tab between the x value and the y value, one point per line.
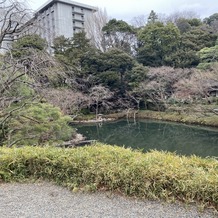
37	124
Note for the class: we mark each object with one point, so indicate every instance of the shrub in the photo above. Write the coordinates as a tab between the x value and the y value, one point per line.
37	124
154	175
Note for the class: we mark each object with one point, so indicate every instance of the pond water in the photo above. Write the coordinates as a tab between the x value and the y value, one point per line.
148	134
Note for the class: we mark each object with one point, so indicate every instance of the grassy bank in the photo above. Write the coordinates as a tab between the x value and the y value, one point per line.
189	118
154	175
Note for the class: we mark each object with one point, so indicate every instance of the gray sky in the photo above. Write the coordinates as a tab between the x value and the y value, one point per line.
127	9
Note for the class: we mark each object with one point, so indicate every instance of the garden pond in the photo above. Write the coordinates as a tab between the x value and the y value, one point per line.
149	134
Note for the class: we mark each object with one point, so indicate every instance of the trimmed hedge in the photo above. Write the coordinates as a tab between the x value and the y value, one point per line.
153	175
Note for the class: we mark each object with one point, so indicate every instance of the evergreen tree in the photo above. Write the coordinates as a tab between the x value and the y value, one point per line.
119	34
24	46
152	18
156	44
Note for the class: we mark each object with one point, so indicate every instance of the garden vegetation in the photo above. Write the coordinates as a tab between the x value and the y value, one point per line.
127	69
153	175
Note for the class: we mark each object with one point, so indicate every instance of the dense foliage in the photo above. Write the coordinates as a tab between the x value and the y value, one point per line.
25	72
37	124
126	66
154	175
149	66
23	46
23	118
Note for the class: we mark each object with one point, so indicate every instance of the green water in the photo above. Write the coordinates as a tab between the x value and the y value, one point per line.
148	134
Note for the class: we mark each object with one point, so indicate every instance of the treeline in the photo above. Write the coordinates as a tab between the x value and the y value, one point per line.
120	66
113	66
149	66
180	43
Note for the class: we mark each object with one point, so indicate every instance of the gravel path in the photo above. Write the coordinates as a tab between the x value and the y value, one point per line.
44	200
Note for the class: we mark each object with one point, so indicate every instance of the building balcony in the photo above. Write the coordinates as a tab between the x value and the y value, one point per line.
78	27
78	19
78	12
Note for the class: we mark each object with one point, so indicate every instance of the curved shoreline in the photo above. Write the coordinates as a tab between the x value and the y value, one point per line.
211	121
188	118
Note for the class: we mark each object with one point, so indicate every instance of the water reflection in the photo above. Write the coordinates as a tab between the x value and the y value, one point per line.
147	134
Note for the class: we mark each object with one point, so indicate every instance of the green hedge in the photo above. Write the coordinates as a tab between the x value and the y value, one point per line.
153	175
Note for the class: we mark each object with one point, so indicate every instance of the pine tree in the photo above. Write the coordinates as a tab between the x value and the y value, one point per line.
153	17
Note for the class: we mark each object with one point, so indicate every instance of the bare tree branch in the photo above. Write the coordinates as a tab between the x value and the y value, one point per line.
94	25
14	17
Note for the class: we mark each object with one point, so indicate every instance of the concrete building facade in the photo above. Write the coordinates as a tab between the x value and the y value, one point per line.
61	17
56	18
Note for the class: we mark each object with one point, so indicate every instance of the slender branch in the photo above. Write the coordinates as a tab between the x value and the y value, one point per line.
8	83
18	140
30	118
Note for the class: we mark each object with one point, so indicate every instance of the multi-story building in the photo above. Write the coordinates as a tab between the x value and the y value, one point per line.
56	18
61	17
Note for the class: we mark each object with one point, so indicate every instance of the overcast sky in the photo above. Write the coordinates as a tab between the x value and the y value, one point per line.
127	9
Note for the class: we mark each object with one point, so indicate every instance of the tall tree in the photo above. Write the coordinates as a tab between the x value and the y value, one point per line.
198	38
72	51
212	21
152	18
23	47
183	25
21	81
13	19
186	25
119	34
118	61
209	20
110	68
156	43
25	70
93	25
61	44
190	43
195	35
